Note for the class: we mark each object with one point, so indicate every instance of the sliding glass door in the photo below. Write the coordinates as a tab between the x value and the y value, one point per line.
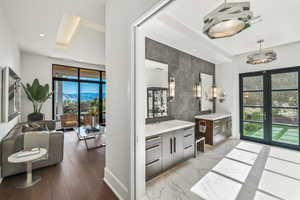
269	107
79	95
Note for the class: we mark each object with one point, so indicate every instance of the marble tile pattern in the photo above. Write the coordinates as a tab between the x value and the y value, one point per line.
175	184
233	169
250	146
262	196
242	156
285	168
285	154
215	187
280	186
213	116
166	126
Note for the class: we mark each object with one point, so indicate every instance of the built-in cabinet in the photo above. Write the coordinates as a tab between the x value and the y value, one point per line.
166	150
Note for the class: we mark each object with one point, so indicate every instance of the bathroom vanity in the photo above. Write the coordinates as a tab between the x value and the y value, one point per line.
215	127
167	144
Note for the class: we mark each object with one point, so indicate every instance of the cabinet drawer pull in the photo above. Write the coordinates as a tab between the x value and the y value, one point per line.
189	128
152	148
152	139
175	144
171	146
188	135
188	147
152	163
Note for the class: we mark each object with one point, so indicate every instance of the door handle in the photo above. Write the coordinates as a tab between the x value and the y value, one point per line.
174	144
171	143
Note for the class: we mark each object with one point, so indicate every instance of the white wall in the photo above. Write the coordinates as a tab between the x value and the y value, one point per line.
120	97
227	77
36	66
9	56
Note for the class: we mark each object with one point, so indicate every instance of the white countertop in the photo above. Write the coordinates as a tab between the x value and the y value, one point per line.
166	126
213	116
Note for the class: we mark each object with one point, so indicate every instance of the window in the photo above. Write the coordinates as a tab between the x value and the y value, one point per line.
79	92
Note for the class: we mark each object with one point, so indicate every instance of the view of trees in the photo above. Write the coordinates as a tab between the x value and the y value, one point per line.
284	106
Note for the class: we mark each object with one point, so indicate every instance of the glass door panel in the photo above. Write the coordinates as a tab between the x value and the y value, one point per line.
285	108
252	107
89	104
65	99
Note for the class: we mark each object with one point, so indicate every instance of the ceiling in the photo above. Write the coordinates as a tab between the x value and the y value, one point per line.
30	18
180	25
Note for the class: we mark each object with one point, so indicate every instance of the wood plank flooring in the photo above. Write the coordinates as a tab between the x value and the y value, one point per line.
78	177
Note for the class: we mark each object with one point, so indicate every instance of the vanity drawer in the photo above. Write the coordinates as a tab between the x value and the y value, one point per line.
188	139
153	153
153	141
153	169
188	151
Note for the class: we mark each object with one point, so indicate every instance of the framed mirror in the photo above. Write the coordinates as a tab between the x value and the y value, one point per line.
157	82
207	84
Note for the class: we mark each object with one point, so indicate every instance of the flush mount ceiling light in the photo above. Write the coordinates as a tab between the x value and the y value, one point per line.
228	19
261	56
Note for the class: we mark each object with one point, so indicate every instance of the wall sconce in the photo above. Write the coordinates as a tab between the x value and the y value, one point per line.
198	89
215	96
172	88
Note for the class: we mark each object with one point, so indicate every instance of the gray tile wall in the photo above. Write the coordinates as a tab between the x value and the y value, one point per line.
185	68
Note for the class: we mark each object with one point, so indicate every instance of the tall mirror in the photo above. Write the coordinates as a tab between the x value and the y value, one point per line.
157	89
206	97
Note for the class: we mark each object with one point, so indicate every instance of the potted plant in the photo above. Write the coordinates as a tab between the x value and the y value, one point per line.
38	95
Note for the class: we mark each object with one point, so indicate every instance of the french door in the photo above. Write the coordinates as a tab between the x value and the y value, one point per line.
269	107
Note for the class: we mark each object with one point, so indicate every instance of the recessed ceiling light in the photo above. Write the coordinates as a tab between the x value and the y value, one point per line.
42	35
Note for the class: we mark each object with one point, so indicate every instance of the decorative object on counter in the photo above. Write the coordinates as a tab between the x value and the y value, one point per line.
38	95
172	87
157	102
11	95
228	19
261	57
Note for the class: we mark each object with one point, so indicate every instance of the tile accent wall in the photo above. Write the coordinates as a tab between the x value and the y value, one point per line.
185	68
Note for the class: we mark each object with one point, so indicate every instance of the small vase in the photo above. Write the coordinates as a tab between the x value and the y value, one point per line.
93	121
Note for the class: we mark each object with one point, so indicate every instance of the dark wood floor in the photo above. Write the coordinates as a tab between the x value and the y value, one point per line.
78	177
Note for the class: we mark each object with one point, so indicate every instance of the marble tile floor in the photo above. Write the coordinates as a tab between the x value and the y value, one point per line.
176	183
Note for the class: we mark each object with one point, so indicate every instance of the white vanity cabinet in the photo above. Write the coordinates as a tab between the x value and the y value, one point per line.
169	146
172	149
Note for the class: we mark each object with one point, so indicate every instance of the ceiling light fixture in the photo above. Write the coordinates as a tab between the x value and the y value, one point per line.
261	56
228	19
42	35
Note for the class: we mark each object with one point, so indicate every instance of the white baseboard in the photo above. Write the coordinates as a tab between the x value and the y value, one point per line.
115	185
